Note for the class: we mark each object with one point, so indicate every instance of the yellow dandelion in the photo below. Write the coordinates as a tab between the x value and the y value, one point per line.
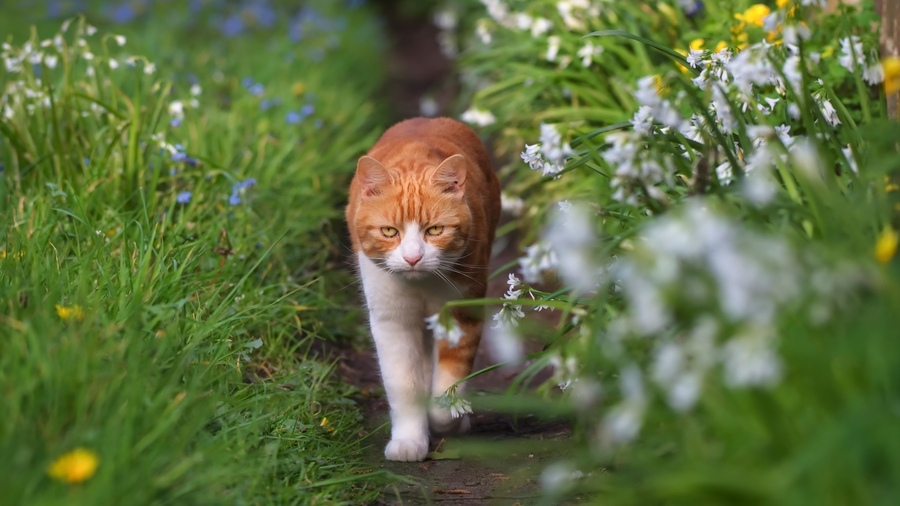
886	245
782	3
74	467
682	52
70	313
755	15
891	66
720	46
890	186
696	44
2	254
298	88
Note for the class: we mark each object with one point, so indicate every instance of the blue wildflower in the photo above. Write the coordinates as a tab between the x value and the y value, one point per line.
175	123
308	110
257	89
237	189
232	26
122	13
247	82
293	118
183	197
691	8
179	157
268	103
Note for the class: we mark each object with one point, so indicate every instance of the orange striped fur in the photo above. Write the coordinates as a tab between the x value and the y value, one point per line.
422	212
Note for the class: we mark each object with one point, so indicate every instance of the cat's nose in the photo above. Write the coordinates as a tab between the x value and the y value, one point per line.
412	258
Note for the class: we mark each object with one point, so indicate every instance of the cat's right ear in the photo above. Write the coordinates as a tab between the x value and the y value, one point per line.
372	176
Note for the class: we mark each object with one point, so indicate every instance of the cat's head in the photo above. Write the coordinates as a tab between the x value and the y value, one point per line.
412	222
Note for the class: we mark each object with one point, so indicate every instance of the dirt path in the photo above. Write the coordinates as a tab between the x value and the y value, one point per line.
498	462
458	470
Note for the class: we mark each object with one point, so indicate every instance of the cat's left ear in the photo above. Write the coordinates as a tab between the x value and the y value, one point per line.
372	175
451	175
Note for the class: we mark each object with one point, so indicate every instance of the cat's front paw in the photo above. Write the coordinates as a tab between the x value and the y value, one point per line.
406	450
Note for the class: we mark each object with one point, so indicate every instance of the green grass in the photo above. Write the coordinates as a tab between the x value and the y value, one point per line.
186	373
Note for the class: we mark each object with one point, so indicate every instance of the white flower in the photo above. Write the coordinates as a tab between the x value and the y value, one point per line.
505	344
567	10
459	407
695	58
555	151
572	235
90	30
830	113
149	68
874	74
113	63
120	39
794	33
540	26
196	90
445	19
539	258
642	122
758	187
451	333
499	11
848	153
512	205
564	206
508	316
478	117
483	32
514	284
749	360
176	109
587	53
532	156
553	43
623	422
852	53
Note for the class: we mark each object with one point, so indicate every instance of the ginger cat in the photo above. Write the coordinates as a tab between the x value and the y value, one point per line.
423	208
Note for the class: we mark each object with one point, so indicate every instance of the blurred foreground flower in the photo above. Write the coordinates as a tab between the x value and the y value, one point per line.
70	313
891	67
74	467
886	245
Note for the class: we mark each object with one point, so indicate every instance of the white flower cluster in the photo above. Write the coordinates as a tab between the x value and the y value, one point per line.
549	155
503	338
853	58
726	287
450	332
572	234
499	11
478	117
36	58
539	258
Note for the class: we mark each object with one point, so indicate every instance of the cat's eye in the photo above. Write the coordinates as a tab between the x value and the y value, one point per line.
435	230
389	231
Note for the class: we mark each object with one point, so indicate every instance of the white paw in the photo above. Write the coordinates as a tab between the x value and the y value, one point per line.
406	450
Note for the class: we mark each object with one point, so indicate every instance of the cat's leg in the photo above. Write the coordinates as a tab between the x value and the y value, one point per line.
396	317
452	363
